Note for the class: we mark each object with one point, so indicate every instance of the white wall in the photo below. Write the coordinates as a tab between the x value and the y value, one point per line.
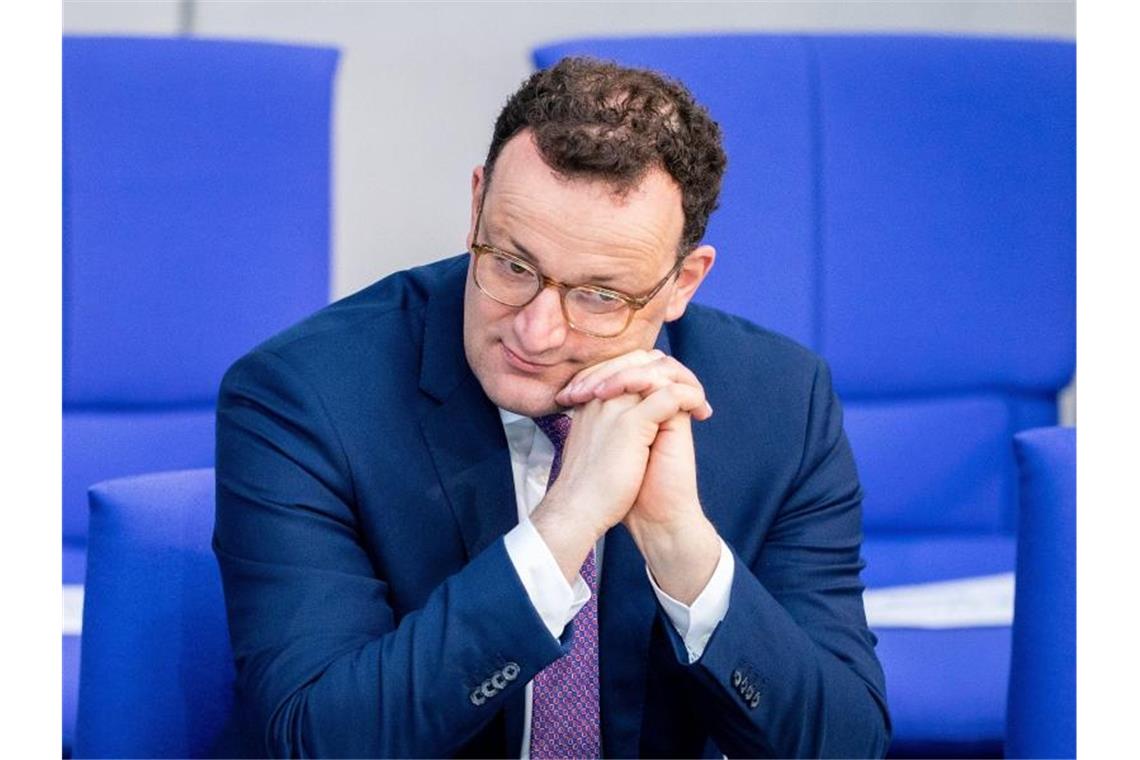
420	84
121	17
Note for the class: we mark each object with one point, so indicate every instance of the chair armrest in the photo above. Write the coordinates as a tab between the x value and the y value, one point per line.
1041	715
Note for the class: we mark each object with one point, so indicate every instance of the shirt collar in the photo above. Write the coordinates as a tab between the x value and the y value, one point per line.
510	418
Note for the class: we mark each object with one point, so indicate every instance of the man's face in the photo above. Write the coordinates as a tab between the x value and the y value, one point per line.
577	232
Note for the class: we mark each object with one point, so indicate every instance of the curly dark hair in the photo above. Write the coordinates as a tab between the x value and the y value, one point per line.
598	120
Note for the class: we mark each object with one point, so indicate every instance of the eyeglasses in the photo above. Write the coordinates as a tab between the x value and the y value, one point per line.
595	311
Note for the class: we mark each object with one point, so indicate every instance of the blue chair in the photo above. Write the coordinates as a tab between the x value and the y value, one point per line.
195	224
1042	716
157	672
905	206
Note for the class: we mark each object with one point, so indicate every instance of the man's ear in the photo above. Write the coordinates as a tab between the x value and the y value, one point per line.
476	200
693	272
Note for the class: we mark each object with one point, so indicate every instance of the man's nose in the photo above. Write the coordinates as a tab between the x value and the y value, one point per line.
540	325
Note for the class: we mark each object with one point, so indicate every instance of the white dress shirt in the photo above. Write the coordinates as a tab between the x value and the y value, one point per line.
556	601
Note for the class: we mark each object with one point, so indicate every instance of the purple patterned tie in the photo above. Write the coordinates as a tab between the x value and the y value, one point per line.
565	716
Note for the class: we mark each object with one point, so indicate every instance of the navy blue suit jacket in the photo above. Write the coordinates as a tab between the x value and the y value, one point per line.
364	486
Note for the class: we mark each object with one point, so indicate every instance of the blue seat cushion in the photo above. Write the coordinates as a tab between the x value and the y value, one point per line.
70	691
946	688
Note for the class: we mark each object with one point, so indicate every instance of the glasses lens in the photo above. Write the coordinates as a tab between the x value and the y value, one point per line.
597	311
505	279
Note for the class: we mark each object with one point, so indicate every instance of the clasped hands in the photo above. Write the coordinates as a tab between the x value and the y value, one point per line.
630	459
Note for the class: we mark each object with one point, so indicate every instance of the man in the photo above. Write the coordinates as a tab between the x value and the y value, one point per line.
486	508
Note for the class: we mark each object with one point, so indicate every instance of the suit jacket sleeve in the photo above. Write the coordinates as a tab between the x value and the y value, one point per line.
324	668
791	671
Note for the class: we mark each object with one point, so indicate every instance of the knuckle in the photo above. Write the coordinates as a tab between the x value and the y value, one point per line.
642	374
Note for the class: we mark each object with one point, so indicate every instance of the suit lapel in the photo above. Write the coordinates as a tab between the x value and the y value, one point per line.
469	450
464	435
463	431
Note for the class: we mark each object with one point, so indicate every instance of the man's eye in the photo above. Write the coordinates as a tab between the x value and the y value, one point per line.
511	268
597	301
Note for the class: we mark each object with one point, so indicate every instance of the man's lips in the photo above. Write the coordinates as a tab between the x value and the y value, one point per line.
520	363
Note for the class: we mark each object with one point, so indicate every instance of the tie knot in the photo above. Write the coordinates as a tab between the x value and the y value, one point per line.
556	427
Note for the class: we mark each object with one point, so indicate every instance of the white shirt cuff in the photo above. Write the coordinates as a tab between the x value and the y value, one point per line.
697	623
553	598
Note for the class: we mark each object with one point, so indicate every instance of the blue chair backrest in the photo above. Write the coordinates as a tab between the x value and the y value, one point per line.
157	671
906	207
195	225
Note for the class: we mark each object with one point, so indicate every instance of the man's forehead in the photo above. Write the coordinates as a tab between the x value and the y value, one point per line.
520	162
534	226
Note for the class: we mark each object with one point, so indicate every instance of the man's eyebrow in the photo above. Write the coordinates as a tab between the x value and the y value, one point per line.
521	250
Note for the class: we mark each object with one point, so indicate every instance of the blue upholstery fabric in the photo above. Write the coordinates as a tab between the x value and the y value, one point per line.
157	671
906	558
195	225
197	178
941	462
1042	719
127	441
946	689
948	175
960	464
926	250
882	188
74	562
70	661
